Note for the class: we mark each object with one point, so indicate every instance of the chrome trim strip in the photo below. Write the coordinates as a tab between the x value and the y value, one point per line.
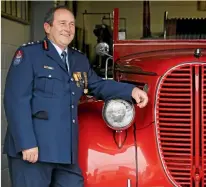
129	183
155	112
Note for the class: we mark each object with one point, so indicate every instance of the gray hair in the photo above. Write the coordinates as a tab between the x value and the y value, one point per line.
49	17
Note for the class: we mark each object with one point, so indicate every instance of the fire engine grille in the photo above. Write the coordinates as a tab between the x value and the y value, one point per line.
204	122
175	123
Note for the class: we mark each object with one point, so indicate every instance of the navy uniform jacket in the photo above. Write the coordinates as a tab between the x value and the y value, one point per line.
41	100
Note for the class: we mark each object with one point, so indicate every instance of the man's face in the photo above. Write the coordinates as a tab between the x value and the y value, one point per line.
62	30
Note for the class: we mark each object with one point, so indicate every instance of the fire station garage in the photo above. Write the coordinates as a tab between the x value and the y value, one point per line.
158	45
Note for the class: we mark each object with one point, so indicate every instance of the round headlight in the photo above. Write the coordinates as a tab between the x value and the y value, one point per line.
118	114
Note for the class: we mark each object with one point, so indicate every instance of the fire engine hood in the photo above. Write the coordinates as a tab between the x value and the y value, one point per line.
158	62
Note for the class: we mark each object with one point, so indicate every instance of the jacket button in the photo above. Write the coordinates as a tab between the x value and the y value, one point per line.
73	121
72	106
73	93
72	79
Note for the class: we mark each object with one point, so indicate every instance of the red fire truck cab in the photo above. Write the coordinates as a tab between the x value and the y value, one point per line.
163	144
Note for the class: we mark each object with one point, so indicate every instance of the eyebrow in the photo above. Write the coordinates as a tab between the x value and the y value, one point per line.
66	21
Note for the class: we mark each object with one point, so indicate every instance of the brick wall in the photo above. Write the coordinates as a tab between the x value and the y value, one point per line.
13	35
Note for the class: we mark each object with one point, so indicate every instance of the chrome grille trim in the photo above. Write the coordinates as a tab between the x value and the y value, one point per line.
186	155
204	123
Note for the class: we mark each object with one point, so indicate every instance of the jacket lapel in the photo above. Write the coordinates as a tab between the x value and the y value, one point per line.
53	54
71	59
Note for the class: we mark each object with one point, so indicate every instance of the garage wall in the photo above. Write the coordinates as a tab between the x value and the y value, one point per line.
13	35
175	8
126	8
132	10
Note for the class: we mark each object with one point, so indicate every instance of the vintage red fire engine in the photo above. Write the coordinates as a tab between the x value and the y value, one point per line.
163	144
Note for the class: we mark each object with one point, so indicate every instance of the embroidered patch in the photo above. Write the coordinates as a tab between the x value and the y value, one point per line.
18	58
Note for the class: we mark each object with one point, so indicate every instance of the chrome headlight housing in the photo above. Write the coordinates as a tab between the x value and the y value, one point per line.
118	114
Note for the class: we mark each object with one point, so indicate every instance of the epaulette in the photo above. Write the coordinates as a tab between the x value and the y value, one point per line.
31	43
75	49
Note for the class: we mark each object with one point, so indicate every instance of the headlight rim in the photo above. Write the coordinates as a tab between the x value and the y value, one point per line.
118	128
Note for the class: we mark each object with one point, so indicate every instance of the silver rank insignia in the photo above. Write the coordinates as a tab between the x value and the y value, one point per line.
48	67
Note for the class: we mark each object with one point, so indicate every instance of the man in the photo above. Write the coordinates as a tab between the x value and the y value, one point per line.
44	84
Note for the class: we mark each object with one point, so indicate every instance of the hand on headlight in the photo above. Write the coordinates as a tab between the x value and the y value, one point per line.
140	97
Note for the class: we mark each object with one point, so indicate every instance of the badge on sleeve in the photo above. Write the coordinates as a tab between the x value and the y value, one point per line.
18	58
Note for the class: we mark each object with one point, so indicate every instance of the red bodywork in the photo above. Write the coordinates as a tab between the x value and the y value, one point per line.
140	156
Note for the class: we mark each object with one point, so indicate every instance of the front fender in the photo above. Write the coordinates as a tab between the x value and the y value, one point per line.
101	159
111	159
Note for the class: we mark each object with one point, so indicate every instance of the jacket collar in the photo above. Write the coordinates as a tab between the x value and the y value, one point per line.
52	53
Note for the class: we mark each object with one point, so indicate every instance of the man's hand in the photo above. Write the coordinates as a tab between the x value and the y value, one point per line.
140	97
31	155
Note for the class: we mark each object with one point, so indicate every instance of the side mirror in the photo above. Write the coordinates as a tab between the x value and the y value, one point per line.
102	49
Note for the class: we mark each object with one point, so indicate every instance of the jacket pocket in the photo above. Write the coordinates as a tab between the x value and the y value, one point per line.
41	115
49	83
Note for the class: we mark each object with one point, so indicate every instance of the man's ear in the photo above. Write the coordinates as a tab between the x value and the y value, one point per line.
47	28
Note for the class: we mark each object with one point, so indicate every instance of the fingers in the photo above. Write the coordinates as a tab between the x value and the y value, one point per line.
24	156
141	97
144	101
35	158
137	99
31	158
30	155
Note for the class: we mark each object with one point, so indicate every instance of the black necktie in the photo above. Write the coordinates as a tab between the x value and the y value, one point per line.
64	59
